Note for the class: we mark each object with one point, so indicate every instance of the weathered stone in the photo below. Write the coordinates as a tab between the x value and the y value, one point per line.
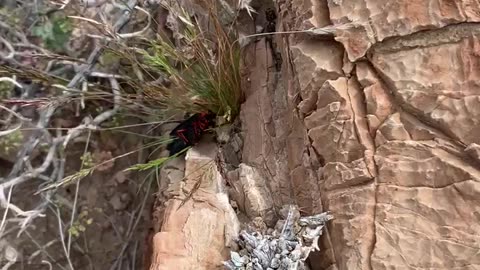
267	126
324	58
200	224
252	194
341	175
427	227
379	105
351	230
421	164
387	139
434	93
373	21
335	127
473	150
392	129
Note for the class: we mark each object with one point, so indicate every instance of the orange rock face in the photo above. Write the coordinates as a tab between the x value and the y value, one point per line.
379	125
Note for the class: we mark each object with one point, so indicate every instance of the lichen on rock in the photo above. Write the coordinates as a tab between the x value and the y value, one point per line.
286	247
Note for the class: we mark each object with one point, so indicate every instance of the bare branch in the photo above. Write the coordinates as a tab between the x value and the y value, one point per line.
7	79
9	48
60	231
84	69
22	170
14	32
141	32
106	75
12	112
9	131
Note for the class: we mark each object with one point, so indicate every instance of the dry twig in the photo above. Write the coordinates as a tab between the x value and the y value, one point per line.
22	170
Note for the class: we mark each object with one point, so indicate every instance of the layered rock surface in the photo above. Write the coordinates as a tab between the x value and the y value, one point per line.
379	125
199	224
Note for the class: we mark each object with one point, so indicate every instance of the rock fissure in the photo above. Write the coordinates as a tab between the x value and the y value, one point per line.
430	187
379	142
404	106
448	34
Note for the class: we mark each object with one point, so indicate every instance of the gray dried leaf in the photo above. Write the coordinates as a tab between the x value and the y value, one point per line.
237	260
284	248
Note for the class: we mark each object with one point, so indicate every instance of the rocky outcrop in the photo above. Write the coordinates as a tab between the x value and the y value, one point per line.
379	125
374	21
199	224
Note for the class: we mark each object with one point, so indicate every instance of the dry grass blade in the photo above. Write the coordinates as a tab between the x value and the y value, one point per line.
204	73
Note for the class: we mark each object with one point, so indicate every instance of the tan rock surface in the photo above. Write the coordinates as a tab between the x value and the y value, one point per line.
377	20
379	125
445	92
198	233
427	227
251	193
386	138
324	58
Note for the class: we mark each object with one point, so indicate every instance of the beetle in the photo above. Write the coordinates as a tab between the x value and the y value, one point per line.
189	132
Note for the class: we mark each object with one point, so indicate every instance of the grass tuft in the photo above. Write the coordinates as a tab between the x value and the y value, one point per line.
154	164
203	73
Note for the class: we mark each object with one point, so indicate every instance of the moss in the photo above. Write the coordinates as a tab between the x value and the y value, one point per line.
54	32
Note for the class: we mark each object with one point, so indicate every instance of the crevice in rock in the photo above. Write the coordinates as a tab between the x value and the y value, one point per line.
310	150
405	107
328	237
352	186
426	187
354	116
451	33
375	193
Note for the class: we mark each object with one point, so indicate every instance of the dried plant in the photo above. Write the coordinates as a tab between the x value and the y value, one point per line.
203	72
284	248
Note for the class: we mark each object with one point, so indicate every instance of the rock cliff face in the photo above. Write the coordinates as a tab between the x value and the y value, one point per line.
379	124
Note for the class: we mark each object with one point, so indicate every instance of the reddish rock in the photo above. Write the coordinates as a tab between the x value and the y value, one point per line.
380	139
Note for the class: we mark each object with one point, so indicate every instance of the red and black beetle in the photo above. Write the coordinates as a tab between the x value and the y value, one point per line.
190	131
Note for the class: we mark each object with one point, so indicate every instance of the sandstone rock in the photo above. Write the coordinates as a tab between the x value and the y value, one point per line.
341	175
324	59
392	129
421	164
352	230
379	104
474	151
266	124
252	194
373	21
338	122
198	233
427	227
386	139
454	112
